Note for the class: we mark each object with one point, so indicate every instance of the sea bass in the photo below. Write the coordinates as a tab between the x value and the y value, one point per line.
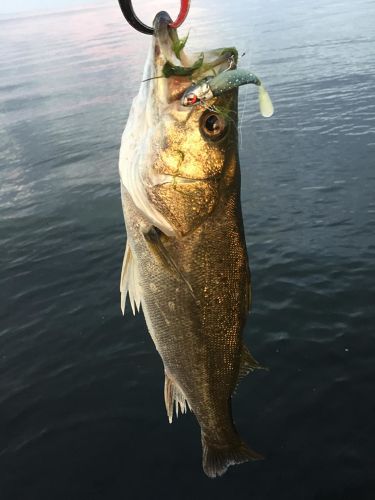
185	261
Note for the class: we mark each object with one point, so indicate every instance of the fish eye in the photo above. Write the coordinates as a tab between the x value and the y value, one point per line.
213	126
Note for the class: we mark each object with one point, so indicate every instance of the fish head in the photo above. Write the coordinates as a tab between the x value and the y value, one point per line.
171	152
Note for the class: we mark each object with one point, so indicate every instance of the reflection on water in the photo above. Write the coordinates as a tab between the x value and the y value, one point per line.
81	387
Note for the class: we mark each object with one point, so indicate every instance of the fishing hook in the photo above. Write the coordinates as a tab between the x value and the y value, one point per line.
129	14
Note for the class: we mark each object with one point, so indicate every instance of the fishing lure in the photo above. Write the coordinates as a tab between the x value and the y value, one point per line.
214	86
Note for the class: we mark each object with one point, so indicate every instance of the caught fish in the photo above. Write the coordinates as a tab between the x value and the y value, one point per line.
185	261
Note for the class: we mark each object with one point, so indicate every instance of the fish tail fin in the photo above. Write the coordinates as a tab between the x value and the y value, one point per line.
216	460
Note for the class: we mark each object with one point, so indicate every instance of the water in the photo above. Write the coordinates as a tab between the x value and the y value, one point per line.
81	388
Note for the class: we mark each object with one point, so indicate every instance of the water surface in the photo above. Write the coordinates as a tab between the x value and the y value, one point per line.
81	388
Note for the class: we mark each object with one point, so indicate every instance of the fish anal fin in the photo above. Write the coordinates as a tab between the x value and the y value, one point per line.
129	282
174	398
217	459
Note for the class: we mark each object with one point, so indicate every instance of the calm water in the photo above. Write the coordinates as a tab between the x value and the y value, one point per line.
81	388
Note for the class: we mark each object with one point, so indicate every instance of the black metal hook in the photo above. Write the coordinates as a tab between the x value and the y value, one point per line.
129	14
127	9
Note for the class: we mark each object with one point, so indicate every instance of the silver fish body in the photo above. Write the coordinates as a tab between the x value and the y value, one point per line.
186	262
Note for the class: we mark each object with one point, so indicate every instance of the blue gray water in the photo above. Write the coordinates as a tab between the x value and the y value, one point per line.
81	388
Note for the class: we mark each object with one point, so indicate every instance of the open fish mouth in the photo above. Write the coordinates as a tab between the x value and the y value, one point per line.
163	34
171	60
208	75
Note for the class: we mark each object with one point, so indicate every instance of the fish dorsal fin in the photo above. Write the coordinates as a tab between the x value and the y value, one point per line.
129	282
174	397
247	363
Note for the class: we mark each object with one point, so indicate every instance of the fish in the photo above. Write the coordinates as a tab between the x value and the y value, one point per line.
185	263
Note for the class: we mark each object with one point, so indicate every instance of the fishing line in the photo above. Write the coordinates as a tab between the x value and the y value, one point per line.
242	115
242	111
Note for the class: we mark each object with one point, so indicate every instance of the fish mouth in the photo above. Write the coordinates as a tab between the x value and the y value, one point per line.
213	72
171	60
164	37
161	24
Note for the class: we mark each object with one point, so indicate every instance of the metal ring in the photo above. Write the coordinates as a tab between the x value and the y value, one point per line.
184	9
129	14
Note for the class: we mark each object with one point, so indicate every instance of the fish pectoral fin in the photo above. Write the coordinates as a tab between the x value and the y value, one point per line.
248	363
129	282
174	396
153	238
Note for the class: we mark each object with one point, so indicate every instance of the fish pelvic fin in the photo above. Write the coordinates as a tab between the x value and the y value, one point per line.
129	282
217	459
174	398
